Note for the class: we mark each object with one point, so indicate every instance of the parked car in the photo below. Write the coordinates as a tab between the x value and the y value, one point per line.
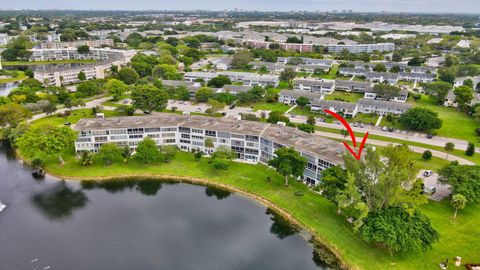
355	124
427	173
232	107
390	129
68	124
429	136
362	125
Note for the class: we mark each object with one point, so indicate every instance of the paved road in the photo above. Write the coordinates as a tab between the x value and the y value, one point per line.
413	148
398	134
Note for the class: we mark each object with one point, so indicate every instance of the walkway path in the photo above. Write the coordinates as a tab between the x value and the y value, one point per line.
291	108
379	121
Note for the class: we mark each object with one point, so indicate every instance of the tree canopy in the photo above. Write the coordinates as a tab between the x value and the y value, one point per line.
149	98
288	162
421	119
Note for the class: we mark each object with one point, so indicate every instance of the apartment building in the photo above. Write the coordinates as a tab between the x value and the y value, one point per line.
360	48
59	76
347	109
271	67
371	93
417	77
290	97
78	43
382	107
71	54
246	78
352	86
313	85
253	142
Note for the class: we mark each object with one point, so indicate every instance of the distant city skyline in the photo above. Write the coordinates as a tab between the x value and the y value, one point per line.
438	6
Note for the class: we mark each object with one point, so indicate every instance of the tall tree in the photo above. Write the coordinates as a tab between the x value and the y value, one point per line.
12	114
399	230
288	162
458	202
116	88
449	147
109	153
128	75
47	139
147	151
464	180
463	97
149	98
421	119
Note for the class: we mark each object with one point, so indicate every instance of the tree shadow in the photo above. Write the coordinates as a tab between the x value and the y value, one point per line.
281	227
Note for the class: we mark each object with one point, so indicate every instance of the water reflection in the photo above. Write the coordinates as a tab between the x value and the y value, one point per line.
219	193
59	202
148	187
280	226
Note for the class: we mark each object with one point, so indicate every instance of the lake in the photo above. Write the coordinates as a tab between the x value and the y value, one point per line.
139	225
5	88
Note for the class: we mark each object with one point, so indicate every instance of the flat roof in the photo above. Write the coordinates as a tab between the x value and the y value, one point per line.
311	144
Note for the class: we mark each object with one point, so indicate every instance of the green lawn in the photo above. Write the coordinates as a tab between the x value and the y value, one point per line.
311	210
21	76
455	124
30	63
344	96
266	106
332	73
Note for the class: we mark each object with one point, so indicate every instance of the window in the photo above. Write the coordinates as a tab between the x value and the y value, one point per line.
210	133
119	137
117	131
153	135
83	140
135	130
197	137
198	131
152	129
101	139
238	136
185	136
99	132
168	135
169	141
136	136
169	129
185	141
197	143
184	129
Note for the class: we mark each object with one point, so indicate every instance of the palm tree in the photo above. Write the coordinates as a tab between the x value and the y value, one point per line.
449	147
458	202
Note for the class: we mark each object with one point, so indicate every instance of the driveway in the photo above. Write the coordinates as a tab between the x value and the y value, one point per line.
441	190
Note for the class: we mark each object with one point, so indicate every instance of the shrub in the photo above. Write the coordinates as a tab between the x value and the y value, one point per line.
427	155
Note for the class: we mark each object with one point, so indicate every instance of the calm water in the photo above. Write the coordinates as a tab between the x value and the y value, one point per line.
138	225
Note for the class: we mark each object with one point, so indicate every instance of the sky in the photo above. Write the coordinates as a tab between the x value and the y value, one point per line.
450	6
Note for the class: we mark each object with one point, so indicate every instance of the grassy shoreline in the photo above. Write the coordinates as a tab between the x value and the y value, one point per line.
21	76
310	211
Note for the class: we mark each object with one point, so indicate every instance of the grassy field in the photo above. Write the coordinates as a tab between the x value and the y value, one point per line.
31	63
455	124
265	106
344	96
311	210
332	73
21	76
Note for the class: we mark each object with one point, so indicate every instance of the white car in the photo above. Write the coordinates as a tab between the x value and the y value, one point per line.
427	173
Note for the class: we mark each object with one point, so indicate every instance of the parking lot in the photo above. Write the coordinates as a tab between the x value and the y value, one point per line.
432	184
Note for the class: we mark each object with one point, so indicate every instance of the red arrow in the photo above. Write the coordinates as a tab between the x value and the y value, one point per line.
352	136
